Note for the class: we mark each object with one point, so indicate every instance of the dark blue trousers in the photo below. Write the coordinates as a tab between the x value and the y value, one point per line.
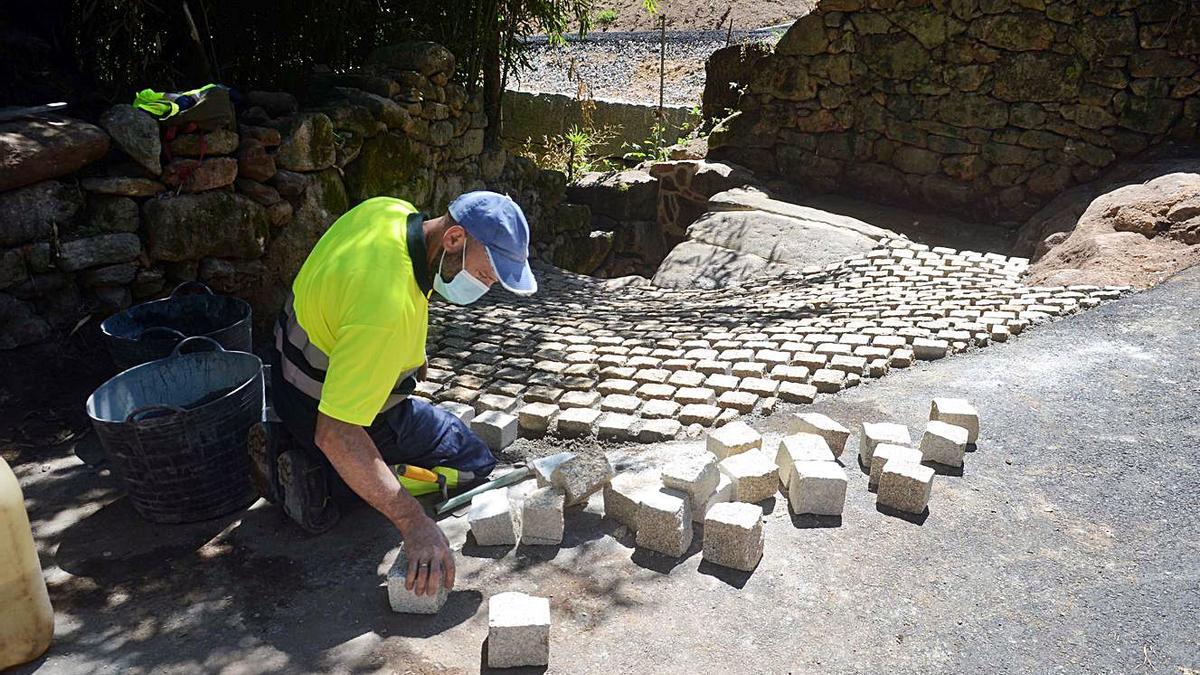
412	432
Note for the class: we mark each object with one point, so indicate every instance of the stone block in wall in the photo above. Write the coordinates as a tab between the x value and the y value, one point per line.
276	103
441	133
110	298
109	275
290	184
231	276
193	175
621	195
348	148
279	214
193	226
40	148
254	162
266	135
346	116
383	109
469	144
19	325
806	37
1149	115
320	205
135	132
125	186
219	142
1037	77
391	164
104	249
640	239
308	143
148	283
106	213
259	192
727	72
896	56
566	218
583	254
33	211
12	268
426	58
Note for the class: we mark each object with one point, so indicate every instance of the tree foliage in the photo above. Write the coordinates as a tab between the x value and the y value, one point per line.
111	48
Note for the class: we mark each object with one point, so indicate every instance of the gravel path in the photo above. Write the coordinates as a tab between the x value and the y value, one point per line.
624	66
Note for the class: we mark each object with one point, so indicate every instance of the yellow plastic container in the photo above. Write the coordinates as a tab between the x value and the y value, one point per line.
26	618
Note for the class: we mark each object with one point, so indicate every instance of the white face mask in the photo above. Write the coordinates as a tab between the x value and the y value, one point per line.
463	289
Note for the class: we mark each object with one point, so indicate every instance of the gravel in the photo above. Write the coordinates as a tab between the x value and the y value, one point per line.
623	66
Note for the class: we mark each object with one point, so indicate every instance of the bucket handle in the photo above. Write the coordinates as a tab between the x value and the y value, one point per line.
192	288
136	414
195	338
153	330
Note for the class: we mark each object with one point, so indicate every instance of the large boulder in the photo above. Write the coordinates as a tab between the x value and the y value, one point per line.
749	199
136	133
694	264
1135	235
40	148
307	144
733	244
32	212
208	224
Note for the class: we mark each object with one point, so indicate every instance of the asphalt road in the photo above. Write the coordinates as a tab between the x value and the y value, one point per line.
1071	543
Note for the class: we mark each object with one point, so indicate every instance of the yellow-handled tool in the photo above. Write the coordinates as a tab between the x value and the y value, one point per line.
423	475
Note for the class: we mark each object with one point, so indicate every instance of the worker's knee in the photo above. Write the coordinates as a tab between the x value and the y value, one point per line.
429	436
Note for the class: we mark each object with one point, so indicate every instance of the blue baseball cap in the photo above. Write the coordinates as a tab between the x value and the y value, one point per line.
498	222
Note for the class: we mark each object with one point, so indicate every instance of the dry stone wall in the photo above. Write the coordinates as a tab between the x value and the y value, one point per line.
984	107
94	217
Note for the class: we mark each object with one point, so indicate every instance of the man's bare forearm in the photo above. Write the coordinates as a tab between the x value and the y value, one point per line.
357	460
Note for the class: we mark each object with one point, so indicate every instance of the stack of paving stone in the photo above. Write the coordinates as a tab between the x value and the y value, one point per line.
903	475
718	486
531	512
590	358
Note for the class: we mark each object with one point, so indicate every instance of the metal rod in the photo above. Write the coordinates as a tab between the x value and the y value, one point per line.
510	478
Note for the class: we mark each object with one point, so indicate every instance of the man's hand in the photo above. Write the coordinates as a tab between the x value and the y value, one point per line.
423	371
430	561
353	454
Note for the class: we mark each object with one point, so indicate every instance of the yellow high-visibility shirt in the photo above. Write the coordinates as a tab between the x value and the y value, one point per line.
359	299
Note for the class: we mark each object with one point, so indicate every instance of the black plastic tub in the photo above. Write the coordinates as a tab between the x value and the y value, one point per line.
175	431
150	331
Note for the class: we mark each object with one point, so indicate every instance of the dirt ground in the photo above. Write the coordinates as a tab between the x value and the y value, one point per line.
1067	544
704	14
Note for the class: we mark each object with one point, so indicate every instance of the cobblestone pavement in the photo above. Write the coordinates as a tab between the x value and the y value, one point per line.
657	364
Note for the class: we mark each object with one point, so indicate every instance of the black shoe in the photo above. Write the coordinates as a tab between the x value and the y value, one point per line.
304	492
